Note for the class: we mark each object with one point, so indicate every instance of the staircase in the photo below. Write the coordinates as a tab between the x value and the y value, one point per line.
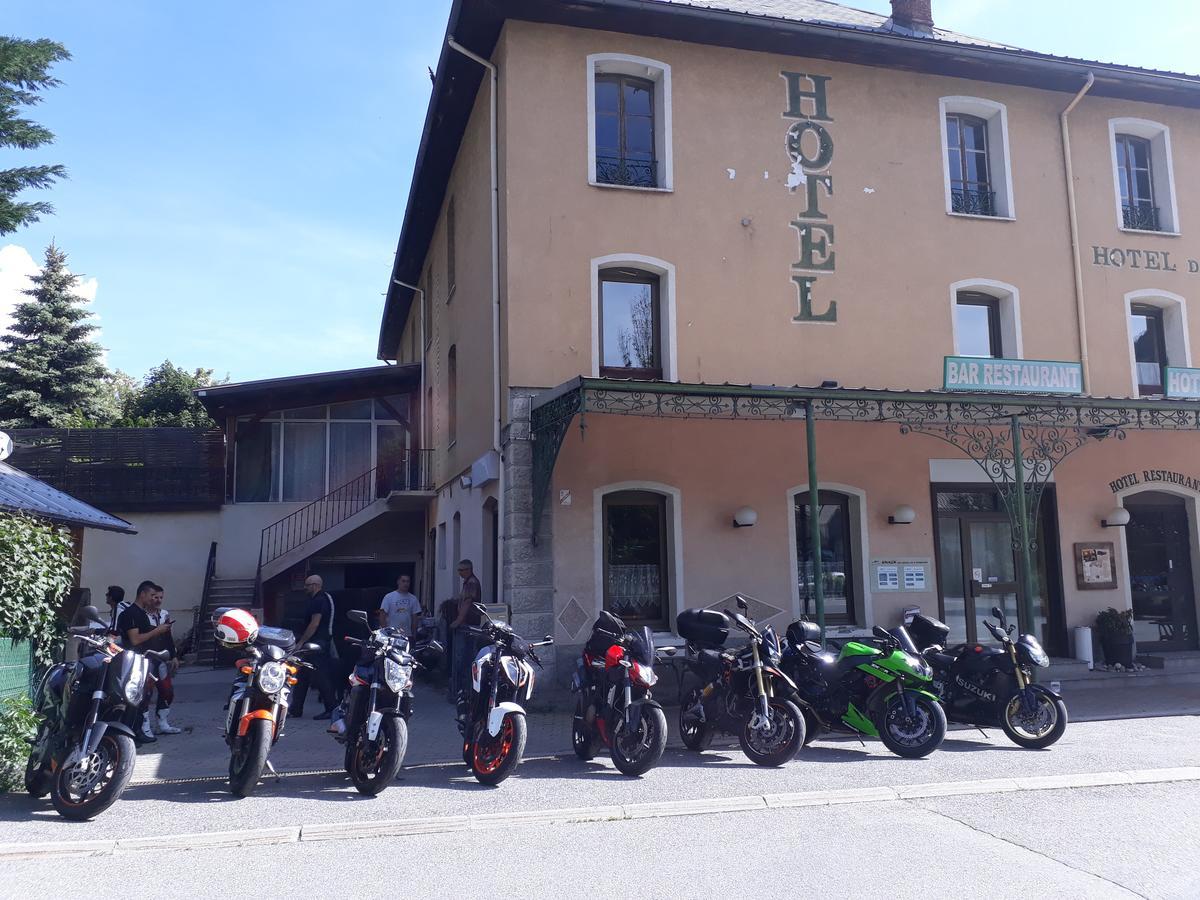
222	592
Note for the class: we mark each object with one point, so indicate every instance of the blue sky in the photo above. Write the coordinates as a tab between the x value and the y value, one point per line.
239	170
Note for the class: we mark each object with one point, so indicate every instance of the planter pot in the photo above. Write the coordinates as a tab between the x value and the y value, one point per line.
1118	648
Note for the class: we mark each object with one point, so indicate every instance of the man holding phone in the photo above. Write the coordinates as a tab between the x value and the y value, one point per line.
138	632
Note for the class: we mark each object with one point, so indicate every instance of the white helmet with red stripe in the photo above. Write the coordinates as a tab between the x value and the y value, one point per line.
235	628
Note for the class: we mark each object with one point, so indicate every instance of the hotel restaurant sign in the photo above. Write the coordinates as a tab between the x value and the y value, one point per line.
1013	376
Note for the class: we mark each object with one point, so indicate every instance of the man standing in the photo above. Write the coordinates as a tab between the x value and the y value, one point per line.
319	613
461	642
164	671
137	632
401	608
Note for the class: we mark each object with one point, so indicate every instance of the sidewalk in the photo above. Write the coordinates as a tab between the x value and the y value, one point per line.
200	752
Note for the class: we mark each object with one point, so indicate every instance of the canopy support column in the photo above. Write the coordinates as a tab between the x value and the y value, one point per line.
814	518
1025	530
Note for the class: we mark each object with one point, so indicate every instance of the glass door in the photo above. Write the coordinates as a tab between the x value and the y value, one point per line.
992	568
1160	573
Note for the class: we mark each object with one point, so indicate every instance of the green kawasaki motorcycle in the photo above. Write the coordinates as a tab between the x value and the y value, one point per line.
877	689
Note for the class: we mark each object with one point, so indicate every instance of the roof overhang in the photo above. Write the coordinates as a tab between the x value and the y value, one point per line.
295	391
476	24
20	492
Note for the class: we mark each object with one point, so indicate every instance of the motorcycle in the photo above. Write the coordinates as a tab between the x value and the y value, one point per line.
615	708
491	719
373	719
877	689
90	722
980	685
258	703
743	692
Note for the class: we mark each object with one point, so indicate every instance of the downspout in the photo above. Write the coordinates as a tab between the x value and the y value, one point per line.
1080	313
496	407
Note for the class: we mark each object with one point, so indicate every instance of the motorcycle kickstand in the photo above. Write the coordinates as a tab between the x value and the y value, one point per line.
979	728
271	769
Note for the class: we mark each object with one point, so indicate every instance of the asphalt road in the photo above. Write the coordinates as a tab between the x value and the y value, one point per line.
1105	842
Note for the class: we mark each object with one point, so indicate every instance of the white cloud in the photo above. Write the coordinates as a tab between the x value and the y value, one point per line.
17	265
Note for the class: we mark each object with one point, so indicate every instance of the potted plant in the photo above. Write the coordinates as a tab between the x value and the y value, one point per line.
1115	630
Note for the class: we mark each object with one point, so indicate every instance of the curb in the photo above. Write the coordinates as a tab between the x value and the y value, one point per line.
611	813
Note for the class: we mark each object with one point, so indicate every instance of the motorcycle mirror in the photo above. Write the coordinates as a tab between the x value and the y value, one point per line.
998	613
549	638
742	604
311	647
1012	628
88	615
881	632
357	615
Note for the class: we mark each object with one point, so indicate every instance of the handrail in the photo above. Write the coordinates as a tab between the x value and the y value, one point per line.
210	570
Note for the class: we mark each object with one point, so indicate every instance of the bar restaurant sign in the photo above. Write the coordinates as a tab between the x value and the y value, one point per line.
1013	376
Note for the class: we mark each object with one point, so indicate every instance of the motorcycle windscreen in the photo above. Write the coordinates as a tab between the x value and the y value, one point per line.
900	633
641	646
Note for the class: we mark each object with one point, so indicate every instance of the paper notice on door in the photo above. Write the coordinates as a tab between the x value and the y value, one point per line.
977	574
1097	565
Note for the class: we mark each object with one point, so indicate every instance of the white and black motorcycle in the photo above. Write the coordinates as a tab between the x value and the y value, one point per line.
491	718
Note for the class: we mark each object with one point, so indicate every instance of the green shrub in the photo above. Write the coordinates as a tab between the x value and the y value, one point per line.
37	569
17	725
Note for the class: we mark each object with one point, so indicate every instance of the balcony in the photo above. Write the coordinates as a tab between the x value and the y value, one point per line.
1140	217
973	202
627	172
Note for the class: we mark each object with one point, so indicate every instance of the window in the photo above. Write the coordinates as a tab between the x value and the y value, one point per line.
1142	169
450	238
977	169
630	328
452	396
837	557
977	325
635	557
629	122
304	454
1158	338
1149	348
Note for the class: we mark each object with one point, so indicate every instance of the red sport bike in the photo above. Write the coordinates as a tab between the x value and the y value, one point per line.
616	709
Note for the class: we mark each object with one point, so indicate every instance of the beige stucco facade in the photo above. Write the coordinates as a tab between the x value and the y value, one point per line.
727	240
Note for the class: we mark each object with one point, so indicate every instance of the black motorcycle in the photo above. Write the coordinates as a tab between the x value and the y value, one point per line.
491	719
90	722
741	692
373	719
987	686
258	703
615	708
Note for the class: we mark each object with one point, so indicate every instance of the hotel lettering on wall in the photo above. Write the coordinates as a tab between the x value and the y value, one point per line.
810	148
1155	476
1149	260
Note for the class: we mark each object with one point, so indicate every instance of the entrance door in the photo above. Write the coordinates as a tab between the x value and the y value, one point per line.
1160	572
977	565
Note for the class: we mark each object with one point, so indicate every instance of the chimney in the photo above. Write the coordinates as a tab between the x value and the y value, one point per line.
915	14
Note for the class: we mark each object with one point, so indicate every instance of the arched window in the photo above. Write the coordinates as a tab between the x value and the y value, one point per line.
1158	339
452	396
986	319
629	122
1144	175
836	515
636	550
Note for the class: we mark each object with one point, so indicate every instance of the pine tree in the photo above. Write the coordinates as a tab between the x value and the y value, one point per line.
51	374
25	70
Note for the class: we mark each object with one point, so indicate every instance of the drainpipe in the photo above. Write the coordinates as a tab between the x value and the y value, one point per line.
496	408
1080	313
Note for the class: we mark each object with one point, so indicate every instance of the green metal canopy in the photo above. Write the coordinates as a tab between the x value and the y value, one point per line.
1017	439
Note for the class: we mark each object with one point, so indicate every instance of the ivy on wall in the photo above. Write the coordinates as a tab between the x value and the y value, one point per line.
36	571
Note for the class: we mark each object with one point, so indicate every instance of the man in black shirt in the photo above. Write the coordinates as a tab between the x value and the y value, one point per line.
138	634
318	611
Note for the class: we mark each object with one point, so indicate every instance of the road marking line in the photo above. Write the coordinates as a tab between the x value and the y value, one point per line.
669	809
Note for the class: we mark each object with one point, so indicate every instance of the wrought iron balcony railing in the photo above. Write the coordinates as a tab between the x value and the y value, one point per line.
1141	218
628	172
973	202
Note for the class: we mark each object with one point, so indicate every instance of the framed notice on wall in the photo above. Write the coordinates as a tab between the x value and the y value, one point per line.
1095	566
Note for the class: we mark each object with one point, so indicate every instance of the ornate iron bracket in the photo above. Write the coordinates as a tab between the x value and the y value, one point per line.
548	426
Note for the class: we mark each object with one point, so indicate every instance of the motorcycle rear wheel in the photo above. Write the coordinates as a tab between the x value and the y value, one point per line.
37	780
1020	734
696	736
932	718
785	740
648	744
495	758
582	740
372	779
246	763
114	763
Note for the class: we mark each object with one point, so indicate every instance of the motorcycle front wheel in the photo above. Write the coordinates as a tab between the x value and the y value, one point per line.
373	770
249	758
916	736
1039	728
94	783
582	741
494	758
636	751
780	740
696	735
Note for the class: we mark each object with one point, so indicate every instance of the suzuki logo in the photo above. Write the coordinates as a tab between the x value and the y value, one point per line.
974	689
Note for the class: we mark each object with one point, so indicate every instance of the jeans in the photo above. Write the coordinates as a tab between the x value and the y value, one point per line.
323	664
461	656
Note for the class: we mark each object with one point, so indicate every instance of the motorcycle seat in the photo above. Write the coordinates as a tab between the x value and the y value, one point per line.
941	660
813	650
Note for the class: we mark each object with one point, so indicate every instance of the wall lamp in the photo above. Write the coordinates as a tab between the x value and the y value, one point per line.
745	518
904	515
1118	518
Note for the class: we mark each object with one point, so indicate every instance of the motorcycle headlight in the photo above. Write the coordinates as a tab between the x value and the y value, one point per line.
271	677
396	675
644	675
512	670
134	690
1034	651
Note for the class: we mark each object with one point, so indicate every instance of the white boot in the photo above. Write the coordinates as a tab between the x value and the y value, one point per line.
164	723
147	730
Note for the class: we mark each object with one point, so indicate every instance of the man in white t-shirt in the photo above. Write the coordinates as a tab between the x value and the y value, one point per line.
401	608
